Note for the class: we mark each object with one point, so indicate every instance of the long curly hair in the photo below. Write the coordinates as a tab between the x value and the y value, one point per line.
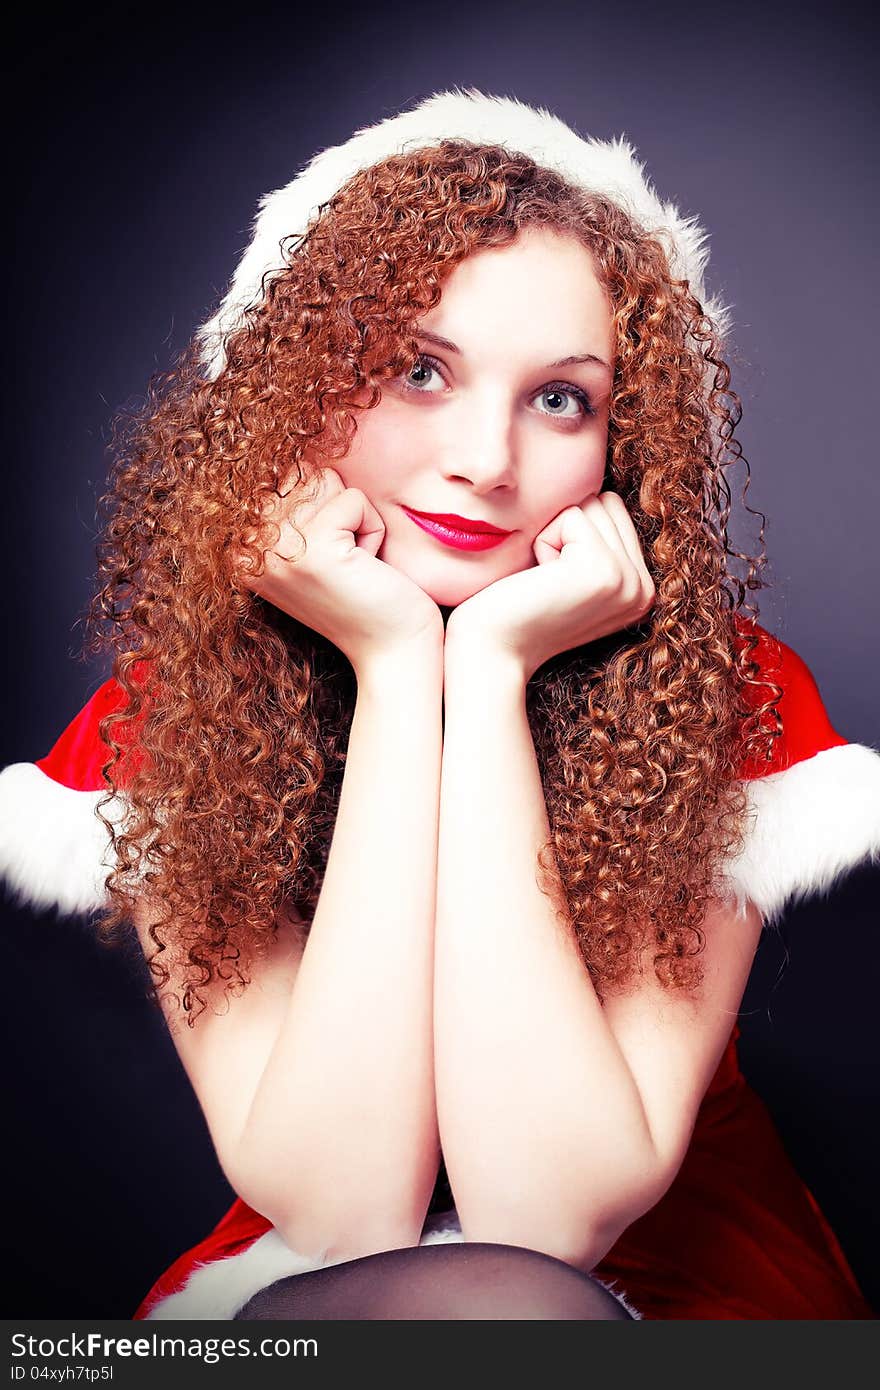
241	714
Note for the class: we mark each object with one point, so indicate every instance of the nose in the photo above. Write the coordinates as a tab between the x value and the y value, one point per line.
482	450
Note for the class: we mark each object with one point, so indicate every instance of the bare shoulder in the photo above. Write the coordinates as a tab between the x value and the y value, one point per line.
731	940
271	974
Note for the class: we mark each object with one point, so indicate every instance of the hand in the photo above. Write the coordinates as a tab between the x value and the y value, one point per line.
335	584
590	580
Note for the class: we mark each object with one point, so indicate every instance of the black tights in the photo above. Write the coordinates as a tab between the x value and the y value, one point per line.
449	1282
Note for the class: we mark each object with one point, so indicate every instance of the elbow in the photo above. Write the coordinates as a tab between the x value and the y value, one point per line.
615	1211
259	1190
325	1225
572	1238
330	1240
577	1227
332	1231
581	1241
573	1243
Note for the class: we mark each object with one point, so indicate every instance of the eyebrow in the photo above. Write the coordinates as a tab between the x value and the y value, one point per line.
573	360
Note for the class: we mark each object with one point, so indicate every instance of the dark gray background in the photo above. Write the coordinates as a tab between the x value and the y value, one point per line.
137	158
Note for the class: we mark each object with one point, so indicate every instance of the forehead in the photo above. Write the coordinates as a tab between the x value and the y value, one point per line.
542	286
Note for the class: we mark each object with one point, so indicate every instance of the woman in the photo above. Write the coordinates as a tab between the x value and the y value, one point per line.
450	787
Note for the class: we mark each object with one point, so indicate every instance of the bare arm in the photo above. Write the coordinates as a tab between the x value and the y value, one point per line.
319	1088
557	1130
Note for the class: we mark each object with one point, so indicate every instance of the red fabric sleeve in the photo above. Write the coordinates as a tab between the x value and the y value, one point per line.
806	727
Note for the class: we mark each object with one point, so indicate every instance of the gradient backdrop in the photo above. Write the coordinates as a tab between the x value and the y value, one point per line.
137	158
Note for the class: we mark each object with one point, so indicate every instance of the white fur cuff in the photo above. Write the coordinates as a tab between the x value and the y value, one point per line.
807	826
54	850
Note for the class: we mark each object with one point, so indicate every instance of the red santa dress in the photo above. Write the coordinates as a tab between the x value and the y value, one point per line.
738	1234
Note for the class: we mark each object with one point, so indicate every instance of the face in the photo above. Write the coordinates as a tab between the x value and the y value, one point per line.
492	424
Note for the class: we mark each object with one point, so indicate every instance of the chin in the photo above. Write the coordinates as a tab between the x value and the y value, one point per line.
448	582
438	580
448	595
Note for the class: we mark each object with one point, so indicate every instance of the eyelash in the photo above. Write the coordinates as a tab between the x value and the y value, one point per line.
576	392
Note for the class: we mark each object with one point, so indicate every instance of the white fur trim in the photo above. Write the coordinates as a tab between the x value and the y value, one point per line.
621	1297
54	851
601	166
808	825
219	1289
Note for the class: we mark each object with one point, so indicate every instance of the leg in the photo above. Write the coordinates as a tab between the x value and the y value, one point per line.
465	1280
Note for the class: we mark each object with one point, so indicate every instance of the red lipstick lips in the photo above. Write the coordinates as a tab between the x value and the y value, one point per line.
461	523
460	532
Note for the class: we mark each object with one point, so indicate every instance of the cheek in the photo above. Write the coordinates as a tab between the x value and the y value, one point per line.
570	480
379	457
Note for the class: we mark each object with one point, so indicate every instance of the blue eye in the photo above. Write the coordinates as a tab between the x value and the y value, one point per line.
428	367
572	393
422	364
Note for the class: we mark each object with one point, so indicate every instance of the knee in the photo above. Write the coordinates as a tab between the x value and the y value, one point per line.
482	1281
467	1280
545	1287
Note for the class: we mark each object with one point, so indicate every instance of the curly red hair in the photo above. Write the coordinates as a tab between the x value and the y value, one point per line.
244	717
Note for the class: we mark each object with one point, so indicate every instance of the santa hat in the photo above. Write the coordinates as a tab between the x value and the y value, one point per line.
608	167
